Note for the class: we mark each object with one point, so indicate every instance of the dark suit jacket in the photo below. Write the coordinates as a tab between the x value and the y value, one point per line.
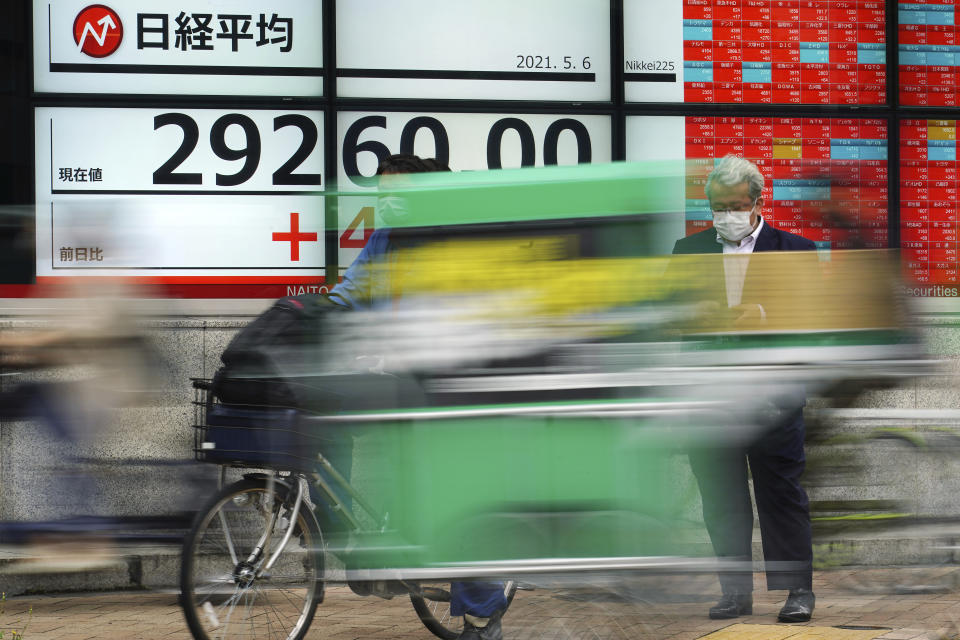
770	239
756	285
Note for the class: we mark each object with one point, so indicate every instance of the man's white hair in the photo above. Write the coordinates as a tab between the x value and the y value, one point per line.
733	170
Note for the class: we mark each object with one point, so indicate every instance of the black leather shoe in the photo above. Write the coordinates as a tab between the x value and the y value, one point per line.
799	606
732	605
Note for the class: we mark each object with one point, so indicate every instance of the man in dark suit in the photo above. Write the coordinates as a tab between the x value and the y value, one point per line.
776	457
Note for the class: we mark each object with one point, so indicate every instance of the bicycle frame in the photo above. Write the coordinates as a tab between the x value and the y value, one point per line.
336	504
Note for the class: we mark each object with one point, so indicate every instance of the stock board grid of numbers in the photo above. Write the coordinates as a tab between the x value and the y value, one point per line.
928	200
929	49
784	51
825	178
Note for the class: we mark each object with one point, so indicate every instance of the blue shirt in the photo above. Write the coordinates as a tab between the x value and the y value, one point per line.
358	290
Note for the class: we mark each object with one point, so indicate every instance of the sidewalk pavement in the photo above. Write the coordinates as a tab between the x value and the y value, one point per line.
622	606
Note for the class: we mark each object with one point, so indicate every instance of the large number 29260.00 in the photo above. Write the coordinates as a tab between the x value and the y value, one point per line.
352	147
249	152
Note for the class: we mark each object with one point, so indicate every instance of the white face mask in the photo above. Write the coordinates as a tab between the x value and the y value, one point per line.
392	209
733	226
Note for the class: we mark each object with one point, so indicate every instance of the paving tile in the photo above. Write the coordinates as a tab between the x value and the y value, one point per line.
791	632
544	614
903	634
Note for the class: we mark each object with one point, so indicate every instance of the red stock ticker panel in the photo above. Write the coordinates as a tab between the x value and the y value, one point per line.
929	179
826	178
929	53
784	51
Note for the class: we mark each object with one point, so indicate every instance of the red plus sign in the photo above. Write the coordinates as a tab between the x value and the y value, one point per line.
294	237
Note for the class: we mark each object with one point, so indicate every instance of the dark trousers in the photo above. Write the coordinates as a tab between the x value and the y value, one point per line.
776	462
481	599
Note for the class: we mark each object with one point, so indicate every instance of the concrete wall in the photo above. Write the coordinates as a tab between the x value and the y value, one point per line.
133	444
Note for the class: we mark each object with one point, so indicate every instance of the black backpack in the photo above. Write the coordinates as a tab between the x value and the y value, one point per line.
272	360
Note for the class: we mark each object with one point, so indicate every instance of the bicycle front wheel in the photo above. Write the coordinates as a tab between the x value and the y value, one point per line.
226	590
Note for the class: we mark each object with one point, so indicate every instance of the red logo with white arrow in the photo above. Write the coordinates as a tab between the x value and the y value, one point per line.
97	30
